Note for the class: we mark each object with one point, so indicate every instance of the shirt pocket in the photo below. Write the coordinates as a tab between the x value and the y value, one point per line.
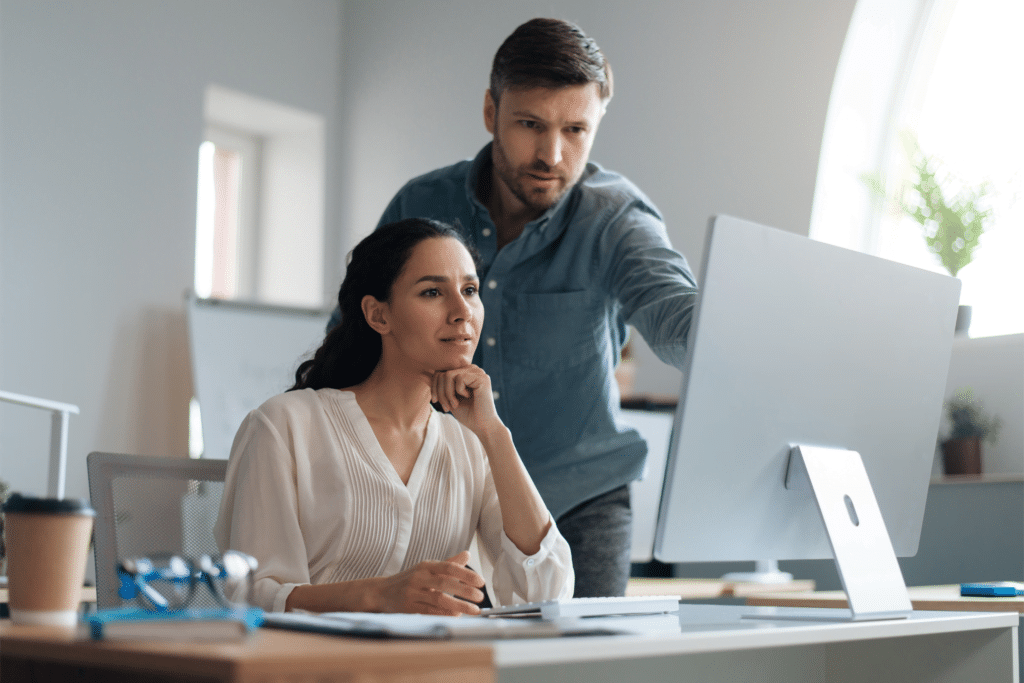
554	329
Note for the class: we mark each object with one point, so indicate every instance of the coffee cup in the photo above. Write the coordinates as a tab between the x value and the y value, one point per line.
47	547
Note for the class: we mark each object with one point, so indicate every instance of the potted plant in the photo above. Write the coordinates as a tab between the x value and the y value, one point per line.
951	224
969	426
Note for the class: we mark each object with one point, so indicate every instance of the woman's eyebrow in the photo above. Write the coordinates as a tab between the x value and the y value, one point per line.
471	277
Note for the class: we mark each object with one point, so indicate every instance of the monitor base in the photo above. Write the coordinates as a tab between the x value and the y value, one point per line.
861	546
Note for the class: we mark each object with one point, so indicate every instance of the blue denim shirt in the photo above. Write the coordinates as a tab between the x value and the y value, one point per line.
557	301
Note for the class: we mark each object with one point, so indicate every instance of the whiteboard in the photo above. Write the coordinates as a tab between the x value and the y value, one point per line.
242	354
645	492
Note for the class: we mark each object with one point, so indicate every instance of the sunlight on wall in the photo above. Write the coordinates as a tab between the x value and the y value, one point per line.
970	119
947	73
204	222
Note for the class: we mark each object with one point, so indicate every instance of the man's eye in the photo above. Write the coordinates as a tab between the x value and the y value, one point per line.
526	123
576	130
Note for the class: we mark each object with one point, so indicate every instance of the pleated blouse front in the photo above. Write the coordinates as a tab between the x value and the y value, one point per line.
311	494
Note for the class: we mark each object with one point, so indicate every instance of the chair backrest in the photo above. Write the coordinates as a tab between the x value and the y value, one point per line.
148	506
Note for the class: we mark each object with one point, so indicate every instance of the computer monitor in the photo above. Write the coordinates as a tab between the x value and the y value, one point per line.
800	343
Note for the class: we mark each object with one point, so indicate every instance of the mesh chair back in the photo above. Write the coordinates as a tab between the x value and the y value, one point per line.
147	506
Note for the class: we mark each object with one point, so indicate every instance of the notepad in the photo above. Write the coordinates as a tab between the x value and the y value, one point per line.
591	607
372	625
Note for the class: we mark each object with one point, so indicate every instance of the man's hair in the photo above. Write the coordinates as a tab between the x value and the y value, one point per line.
549	53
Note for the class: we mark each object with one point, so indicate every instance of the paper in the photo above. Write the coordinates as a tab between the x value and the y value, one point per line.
374	625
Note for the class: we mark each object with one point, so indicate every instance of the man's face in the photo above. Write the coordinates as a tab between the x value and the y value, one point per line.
542	140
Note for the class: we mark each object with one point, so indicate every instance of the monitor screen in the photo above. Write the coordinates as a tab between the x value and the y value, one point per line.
800	342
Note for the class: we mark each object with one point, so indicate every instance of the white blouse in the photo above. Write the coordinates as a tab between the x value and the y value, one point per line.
312	496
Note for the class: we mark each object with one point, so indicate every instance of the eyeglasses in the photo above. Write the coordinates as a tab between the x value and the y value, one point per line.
167	583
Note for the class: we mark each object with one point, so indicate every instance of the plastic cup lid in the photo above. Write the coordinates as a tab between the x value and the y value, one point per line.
16	502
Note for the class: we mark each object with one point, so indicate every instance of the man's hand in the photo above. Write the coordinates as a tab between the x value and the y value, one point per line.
466	394
446	588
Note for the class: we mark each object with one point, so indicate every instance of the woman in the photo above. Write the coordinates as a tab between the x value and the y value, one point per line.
354	493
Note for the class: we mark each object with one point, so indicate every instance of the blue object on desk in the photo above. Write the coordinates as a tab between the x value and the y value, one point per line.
992	589
188	624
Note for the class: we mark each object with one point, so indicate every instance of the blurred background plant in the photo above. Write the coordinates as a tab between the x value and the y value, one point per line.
968	427
951	223
968	420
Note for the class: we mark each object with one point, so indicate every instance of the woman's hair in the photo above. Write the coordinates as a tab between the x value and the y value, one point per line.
352	349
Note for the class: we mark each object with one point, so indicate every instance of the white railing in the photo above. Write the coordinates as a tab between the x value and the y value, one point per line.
58	437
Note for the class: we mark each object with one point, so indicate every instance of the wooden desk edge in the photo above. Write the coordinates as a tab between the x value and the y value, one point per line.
268	652
705	589
921	597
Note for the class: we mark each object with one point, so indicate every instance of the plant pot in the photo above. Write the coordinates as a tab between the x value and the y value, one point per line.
962	455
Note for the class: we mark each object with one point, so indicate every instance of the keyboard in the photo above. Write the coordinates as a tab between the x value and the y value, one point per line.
590	607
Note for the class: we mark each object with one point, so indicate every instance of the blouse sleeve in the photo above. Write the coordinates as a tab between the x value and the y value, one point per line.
259	511
517	577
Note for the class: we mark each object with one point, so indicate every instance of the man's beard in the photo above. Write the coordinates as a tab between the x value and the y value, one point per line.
512	179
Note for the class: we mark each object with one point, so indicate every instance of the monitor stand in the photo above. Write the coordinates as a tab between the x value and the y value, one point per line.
861	546
765	571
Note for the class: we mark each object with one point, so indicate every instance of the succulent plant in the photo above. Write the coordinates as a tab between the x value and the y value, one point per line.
968	420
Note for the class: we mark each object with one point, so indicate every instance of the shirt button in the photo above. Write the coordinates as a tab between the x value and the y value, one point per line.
492	284
486	232
495	394
530	562
491	341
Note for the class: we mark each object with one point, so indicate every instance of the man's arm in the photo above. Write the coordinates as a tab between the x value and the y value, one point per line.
651	281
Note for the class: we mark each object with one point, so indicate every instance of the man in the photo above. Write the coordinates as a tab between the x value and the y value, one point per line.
570	254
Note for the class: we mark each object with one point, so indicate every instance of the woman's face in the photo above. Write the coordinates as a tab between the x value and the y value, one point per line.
435	313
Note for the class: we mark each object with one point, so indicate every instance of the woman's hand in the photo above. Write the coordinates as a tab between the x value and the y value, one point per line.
466	394
447	588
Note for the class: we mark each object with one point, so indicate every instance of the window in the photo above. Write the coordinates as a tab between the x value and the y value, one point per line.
260	200
946	75
226	220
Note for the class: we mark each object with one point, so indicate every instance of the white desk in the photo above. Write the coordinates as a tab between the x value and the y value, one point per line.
702	643
939	598
713	643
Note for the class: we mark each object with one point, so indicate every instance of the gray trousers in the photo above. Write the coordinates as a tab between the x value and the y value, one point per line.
599	532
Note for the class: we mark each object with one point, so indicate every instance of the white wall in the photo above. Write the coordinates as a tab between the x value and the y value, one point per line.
291	217
101	115
993	369
719	106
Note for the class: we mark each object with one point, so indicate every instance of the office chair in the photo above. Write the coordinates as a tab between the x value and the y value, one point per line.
148	506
